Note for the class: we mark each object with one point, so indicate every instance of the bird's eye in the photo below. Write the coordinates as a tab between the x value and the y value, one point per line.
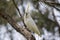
26	14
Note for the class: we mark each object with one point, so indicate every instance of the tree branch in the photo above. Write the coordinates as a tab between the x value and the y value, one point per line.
19	29
52	4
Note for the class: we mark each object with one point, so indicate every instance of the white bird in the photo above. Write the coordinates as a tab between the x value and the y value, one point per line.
29	22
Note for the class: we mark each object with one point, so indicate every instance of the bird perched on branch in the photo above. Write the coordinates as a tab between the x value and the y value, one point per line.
29	22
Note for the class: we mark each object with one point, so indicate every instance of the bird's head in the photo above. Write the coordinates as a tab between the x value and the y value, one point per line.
27	7
27	13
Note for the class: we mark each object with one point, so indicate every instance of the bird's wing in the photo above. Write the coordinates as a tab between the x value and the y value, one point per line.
32	25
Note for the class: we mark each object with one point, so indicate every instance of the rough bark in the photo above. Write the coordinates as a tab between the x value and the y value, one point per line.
19	29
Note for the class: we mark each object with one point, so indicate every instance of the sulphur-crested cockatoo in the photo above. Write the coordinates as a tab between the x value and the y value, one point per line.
29	22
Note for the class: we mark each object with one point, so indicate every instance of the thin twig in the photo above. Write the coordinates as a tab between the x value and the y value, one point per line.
56	20
19	13
16	7
52	4
55	17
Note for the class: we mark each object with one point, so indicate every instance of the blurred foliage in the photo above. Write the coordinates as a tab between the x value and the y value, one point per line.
3	4
42	21
2	21
10	9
